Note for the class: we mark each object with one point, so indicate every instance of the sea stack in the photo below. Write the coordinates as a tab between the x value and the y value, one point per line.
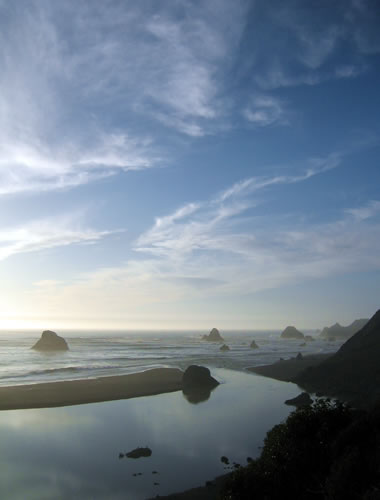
291	332
213	336
50	341
254	345
224	348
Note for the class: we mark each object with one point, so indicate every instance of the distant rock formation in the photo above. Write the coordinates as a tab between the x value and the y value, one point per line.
309	338
299	357
224	348
340	332
302	399
291	332
50	341
139	452
213	336
254	345
197	384
353	372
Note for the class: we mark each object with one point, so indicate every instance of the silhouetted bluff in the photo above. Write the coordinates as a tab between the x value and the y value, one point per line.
213	336
291	332
352	373
338	331
50	341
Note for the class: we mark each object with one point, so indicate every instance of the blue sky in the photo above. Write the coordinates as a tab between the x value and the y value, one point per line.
189	164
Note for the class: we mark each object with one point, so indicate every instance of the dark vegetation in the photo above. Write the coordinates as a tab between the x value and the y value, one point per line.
323	451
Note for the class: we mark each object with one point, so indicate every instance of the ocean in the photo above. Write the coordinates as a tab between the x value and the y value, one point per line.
96	354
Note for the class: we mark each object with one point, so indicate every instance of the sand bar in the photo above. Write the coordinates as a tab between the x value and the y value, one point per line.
287	369
74	392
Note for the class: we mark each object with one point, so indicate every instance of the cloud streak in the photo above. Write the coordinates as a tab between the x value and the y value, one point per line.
45	233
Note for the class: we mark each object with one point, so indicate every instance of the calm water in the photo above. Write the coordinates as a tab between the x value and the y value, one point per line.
109	354
72	452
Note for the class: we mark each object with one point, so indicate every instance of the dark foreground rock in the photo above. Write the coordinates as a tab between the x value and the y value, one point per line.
213	336
197	384
302	399
291	332
50	341
139	452
351	374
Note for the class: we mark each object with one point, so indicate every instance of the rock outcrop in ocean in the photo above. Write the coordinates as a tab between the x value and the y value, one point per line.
254	345
353	372
291	332
50	341
338	331
224	348
213	336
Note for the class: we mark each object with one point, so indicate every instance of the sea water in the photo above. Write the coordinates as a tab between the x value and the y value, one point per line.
94	354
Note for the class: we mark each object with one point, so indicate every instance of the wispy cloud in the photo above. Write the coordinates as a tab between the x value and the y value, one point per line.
305	45
264	110
199	226
371	209
77	92
221	248
46	233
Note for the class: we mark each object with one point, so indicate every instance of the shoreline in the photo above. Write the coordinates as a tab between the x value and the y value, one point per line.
287	369
97	390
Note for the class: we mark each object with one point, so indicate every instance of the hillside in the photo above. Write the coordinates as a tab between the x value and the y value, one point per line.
353	373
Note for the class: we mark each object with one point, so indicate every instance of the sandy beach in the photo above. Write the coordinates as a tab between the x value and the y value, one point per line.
287	369
74	392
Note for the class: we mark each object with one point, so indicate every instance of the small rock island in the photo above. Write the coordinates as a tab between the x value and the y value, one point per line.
224	348
213	336
50	341
291	332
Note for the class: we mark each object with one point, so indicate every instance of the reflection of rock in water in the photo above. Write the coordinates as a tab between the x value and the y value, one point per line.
198	384
197	395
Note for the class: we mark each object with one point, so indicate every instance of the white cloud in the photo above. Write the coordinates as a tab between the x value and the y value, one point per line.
264	110
371	209
63	82
45	233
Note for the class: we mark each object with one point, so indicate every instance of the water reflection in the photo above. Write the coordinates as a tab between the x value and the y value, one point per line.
195	395
73	452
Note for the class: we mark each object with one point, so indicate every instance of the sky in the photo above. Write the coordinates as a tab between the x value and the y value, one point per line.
179	164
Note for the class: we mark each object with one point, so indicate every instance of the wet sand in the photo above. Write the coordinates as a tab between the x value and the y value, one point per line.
74	392
287	369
